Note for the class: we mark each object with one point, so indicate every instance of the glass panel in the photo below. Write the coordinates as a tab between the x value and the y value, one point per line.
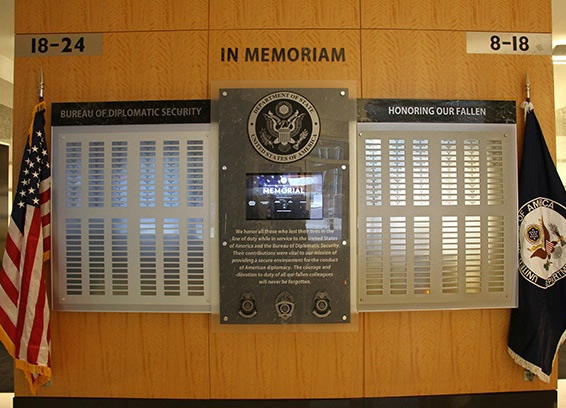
96	174
148	261
374	256
171	173
120	284
448	246
73	176
495	179
73	257
496	252
373	172
171	257
147	173
450	254
473	254
195	257
146	254
397	173
472	179
422	261
398	255
195	173
449	172
119	174
421	172
96	263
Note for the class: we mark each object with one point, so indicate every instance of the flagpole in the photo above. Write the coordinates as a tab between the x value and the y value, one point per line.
528	375
41	84
528	87
527	105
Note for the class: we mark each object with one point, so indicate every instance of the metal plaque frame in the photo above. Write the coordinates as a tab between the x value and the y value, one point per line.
284	203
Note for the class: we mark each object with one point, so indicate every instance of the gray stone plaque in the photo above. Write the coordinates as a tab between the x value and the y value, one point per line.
283	202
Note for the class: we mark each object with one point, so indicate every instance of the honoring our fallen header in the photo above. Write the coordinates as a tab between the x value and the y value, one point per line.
436	111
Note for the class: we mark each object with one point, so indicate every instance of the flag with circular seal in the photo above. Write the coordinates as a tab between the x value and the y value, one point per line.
538	326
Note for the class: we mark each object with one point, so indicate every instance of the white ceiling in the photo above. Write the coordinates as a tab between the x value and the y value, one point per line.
558	22
559	37
7	49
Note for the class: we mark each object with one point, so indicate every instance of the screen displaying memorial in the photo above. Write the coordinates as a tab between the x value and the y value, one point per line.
284	196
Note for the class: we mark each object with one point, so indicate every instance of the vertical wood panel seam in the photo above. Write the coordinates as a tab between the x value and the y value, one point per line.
209	335
360	30
208	93
361	317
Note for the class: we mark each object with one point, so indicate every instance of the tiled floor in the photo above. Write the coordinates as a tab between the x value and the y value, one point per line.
6	399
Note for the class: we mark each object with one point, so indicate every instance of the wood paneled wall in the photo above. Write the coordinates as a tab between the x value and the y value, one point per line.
170	49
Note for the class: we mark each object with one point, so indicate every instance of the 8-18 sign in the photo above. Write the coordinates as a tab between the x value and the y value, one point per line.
522	43
509	43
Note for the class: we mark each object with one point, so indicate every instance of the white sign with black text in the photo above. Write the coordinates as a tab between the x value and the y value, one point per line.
508	43
44	45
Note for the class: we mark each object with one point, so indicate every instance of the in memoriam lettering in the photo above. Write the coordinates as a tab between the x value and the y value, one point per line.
293	54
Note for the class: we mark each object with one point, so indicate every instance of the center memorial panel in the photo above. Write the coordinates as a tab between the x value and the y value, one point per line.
284	205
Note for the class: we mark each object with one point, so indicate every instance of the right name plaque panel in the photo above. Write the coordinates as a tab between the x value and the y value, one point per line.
437	207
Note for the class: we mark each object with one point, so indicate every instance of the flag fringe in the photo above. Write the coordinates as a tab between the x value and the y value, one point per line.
39	107
530	366
43	373
5	339
528	107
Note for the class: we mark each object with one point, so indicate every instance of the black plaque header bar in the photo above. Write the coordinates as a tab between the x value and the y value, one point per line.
198	111
436	111
130	113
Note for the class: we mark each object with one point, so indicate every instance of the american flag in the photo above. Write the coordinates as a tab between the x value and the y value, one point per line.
549	247
24	310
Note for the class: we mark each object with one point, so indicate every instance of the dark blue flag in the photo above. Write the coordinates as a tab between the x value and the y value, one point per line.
538	325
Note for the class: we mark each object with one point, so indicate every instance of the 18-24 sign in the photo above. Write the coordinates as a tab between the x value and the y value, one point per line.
58	44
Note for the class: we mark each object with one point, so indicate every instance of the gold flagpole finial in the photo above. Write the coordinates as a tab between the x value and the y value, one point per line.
41	84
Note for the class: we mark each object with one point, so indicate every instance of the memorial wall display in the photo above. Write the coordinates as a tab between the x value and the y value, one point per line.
284	232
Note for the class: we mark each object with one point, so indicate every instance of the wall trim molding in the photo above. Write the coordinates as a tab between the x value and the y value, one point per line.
528	399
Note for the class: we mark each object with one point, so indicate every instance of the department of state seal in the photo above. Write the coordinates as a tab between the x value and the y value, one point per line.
283	127
542	258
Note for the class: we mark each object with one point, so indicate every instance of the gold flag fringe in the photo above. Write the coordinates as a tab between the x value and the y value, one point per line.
40	106
42	373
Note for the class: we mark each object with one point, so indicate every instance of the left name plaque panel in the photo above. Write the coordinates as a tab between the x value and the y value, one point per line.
131	206
284	205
